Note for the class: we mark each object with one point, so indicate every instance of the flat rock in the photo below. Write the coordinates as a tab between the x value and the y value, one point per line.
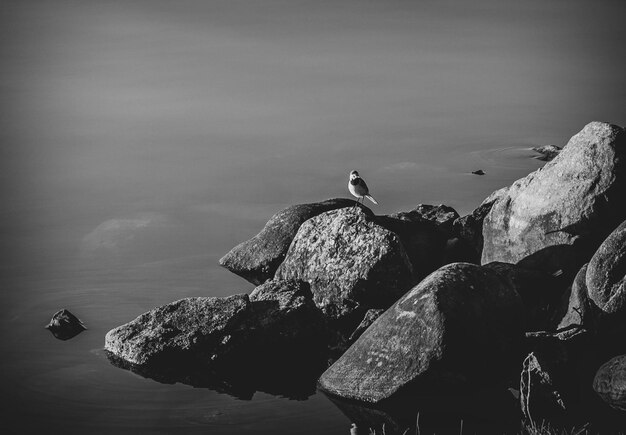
257	259
201	329
572	202
459	326
352	263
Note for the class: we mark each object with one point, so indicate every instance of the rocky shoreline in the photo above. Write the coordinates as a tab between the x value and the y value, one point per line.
527	292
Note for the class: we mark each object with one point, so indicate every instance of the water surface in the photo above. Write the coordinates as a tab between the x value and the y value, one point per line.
141	140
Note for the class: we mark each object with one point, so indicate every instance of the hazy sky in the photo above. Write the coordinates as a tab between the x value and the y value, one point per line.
116	107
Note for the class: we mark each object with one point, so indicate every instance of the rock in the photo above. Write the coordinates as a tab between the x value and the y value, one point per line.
539	398
201	330
65	325
368	319
442	215
606	274
575	308
548	152
352	263
567	204
539	292
289	318
423	241
469	229
478	172
257	259
460	326
610	382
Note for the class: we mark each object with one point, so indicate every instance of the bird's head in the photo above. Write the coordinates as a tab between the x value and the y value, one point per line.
353	175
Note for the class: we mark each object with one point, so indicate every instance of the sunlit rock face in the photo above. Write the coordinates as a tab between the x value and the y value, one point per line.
460	325
352	263
567	207
257	259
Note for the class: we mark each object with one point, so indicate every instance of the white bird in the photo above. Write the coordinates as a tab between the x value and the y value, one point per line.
358	188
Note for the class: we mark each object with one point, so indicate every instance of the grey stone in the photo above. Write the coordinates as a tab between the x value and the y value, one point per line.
257	259
570	204
461	325
352	263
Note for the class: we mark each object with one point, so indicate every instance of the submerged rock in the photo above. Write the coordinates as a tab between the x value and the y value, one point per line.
460	326
65	325
548	152
567	204
257	259
610	382
352	263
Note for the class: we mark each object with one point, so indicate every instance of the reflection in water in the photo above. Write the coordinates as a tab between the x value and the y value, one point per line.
293	378
483	412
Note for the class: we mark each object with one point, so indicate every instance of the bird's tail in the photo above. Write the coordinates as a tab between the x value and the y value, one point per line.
371	198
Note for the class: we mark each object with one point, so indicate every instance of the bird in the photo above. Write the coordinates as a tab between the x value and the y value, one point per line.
358	188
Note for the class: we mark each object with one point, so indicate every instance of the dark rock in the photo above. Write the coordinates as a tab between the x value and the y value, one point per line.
65	325
423	240
368	319
192	331
539	291
460	326
478	172
570	203
352	263
469	230
548	152
442	215
575	308
539	397
610	382
606	274
287	316
257	259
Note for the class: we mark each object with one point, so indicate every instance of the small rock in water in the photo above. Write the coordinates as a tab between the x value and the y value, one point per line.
478	172
64	325
548	152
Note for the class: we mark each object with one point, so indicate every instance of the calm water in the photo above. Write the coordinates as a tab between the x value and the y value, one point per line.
140	141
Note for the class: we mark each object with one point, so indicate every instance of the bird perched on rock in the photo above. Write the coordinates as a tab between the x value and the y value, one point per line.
64	325
358	188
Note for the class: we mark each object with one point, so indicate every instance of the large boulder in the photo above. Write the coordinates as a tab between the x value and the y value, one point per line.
257	259
460	326
198	330
352	263
569	205
606	274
